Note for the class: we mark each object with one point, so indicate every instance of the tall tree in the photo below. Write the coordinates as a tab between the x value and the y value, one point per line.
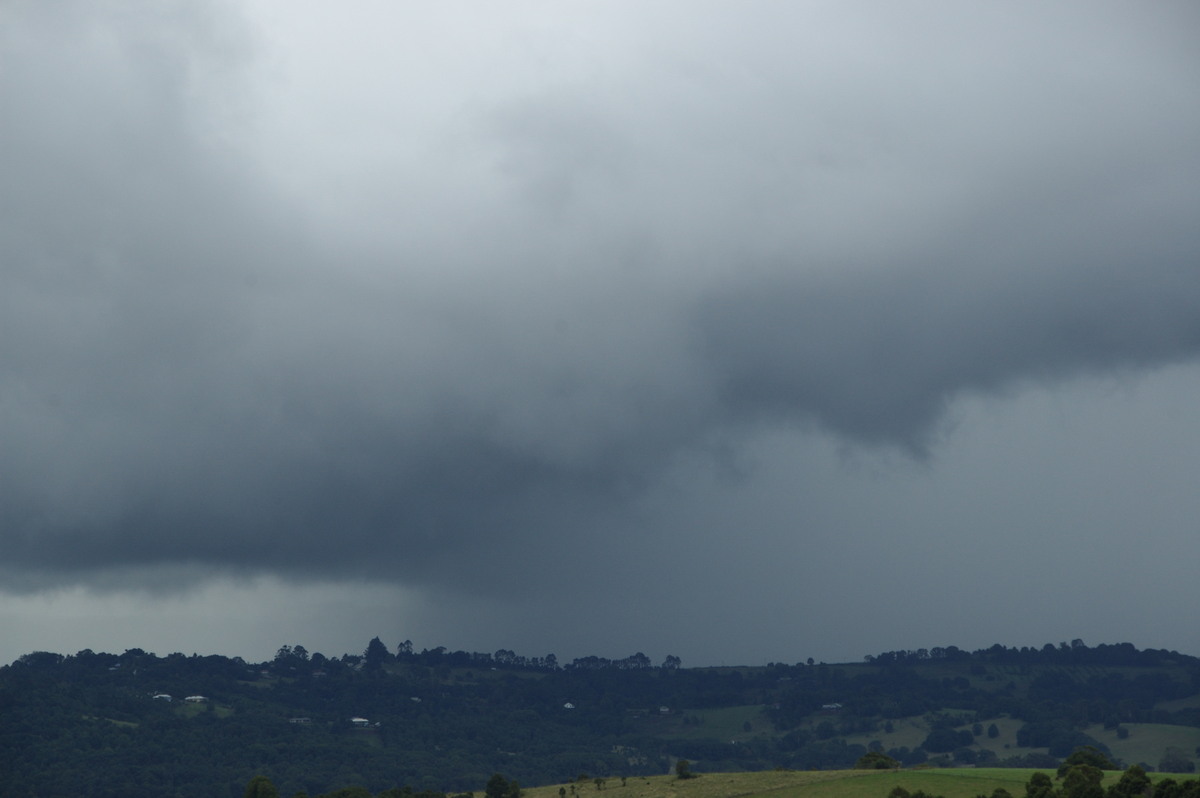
260	787
376	655
497	787
1134	783
1082	781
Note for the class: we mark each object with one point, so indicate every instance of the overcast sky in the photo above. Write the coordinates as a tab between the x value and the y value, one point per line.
744	332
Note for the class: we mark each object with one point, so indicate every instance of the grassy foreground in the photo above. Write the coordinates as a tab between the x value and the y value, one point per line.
949	782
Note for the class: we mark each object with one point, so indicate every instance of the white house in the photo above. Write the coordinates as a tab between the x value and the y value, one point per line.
360	722
196	699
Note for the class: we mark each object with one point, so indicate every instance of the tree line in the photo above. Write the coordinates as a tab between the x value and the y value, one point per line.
89	724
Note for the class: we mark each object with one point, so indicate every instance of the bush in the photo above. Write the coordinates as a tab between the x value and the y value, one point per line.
876	760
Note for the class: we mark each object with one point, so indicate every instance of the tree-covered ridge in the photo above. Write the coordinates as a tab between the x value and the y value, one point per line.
94	724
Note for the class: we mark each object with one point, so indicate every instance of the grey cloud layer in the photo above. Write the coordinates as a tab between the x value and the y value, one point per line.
588	278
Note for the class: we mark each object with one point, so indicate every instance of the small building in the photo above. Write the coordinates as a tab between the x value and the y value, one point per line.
196	699
163	697
360	722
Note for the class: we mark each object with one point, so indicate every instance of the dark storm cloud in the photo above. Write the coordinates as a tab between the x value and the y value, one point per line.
879	360
201	369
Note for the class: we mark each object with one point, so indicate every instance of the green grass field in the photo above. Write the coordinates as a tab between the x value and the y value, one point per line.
950	782
911	732
1147	742
192	710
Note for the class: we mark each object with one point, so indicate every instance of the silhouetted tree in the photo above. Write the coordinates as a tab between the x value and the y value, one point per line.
260	787
1039	786
1087	755
1082	781
500	787
1134	783
376	655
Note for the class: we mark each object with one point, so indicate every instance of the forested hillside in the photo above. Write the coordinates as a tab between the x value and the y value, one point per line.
137	724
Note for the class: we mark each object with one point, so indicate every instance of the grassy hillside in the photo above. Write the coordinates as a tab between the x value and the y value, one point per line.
1148	741
948	782
739	723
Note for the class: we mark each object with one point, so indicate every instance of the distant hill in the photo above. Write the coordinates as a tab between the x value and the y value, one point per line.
136	724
